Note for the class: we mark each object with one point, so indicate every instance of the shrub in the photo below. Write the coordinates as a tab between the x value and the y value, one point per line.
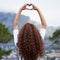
3	52
5	34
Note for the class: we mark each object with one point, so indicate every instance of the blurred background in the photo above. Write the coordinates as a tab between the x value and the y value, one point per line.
8	11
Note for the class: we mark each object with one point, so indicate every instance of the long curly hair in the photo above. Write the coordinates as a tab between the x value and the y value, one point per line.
30	42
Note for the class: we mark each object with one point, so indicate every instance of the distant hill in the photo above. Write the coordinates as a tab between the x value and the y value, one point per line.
8	20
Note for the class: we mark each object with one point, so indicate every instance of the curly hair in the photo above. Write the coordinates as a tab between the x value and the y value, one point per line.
30	42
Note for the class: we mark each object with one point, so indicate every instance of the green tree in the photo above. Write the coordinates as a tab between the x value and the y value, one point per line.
55	36
3	52
5	37
5	34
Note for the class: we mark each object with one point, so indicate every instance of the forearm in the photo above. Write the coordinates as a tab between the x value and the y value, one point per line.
17	19
42	19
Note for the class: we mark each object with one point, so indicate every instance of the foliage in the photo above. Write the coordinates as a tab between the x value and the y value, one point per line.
5	34
3	52
56	41
55	36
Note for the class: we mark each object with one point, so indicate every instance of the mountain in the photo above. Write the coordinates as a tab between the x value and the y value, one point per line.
8	20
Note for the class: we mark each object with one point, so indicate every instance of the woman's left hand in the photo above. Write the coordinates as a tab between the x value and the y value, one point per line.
24	7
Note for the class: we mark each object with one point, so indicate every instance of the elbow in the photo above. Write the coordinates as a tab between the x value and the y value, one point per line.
44	26
15	26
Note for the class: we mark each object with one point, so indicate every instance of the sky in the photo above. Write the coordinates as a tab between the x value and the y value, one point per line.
50	9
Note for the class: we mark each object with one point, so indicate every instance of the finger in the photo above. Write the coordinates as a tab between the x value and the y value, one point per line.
25	4
33	5
29	4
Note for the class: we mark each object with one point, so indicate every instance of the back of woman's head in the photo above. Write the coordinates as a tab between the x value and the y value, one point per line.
30	43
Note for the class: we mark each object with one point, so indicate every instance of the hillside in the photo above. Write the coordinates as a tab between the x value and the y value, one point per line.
8	20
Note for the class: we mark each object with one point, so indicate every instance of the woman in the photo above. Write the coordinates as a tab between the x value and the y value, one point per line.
28	40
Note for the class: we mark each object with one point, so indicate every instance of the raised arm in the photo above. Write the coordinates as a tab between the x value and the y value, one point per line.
18	15
42	19
16	19
41	16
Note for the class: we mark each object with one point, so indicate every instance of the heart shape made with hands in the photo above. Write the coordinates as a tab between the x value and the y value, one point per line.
29	7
